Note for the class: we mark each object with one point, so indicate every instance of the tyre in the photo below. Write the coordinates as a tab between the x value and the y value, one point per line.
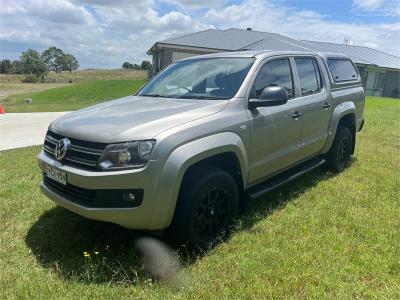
341	149
207	206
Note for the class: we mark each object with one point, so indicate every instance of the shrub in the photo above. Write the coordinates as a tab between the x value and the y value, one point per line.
30	78
49	80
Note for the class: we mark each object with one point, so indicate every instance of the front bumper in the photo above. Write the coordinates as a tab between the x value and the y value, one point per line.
146	179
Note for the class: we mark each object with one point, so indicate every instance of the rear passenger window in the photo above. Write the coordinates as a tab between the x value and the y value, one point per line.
274	73
342	69
310	79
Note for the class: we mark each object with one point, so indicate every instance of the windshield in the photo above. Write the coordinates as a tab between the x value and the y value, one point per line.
208	78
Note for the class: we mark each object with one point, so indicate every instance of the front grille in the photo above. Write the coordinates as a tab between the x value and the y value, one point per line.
83	154
94	198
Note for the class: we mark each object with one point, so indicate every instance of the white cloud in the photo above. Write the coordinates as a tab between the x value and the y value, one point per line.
378	7
190	4
10	8
59	11
103	33
368	4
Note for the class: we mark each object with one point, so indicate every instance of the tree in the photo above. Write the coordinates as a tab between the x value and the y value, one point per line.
70	63
127	65
5	66
32	63
146	65
54	59
16	67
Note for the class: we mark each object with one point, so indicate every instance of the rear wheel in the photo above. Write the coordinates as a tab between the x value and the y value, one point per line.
207	206
340	152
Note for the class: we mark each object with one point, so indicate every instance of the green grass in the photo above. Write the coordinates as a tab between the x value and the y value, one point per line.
72	97
321	236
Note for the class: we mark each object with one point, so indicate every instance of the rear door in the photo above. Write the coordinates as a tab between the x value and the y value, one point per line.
316	104
276	130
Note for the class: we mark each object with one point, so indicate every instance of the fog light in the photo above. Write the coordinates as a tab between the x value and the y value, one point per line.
129	196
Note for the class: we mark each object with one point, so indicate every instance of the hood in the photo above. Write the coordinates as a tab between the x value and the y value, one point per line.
133	118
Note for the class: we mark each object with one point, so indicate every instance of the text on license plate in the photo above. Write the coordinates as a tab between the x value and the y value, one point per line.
56	175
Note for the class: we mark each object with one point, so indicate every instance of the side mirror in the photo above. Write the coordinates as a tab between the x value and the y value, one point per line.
270	96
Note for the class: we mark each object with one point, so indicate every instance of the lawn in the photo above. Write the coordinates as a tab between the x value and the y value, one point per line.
72	97
321	236
11	85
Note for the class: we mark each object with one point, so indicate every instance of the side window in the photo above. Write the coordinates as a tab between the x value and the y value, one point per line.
274	73
309	76
342	69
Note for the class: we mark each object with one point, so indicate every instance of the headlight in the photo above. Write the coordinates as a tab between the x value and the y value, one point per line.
126	155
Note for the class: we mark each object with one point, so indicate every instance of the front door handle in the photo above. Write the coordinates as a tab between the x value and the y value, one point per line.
296	115
326	105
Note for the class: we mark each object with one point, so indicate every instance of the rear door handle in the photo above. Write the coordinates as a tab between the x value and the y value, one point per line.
326	105
296	115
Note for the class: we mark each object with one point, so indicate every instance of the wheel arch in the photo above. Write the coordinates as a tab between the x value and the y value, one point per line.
225	150
343	115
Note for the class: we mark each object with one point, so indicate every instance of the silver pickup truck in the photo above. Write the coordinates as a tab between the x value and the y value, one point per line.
202	137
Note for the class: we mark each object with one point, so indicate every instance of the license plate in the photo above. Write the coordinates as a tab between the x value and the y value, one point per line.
56	175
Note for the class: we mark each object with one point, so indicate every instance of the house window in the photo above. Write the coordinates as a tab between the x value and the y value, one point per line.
380	79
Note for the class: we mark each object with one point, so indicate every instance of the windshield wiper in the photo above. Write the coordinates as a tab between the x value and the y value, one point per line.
202	97
156	95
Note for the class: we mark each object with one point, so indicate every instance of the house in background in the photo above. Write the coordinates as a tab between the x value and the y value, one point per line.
380	71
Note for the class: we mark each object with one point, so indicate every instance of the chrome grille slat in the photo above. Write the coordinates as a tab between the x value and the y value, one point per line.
81	161
51	140
86	150
81	153
48	149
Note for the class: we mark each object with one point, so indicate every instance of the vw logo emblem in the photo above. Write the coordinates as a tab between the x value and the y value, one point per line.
61	148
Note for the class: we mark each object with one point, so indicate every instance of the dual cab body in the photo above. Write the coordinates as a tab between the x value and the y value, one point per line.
212	111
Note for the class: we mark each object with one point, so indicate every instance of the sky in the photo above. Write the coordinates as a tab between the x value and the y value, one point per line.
105	33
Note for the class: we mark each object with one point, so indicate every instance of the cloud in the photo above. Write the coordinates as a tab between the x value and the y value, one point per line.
193	5
103	33
58	11
10	8
368	4
378	7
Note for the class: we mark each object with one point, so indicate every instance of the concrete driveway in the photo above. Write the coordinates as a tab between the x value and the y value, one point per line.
24	129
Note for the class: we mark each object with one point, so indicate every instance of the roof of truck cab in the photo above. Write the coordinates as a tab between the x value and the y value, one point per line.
263	53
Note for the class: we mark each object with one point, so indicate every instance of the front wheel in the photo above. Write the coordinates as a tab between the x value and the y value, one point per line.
207	206
340	152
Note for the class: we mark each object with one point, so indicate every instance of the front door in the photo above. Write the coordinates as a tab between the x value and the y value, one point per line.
276	130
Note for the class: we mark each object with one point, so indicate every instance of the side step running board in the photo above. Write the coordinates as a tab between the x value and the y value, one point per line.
284	177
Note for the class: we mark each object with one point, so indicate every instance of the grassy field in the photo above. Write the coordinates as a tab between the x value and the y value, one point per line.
11	85
72	97
81	75
321	236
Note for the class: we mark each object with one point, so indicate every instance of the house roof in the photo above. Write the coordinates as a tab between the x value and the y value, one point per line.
238	39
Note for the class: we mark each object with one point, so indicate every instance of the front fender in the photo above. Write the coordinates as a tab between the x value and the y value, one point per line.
340	111
185	156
